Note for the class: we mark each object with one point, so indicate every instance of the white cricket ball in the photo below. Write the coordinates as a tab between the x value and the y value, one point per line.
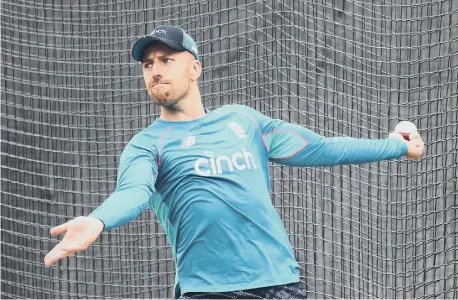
405	128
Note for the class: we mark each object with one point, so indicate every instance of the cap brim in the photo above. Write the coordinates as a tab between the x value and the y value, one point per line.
143	43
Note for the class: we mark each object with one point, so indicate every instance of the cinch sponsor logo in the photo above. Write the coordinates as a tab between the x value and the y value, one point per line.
214	165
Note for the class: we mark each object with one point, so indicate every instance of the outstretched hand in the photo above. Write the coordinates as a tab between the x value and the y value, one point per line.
80	233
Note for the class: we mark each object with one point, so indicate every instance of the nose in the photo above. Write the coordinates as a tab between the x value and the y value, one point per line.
156	72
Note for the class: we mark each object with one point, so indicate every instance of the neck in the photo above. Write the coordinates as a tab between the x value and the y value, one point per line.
189	108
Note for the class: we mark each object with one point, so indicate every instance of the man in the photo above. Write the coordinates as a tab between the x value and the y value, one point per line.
206	177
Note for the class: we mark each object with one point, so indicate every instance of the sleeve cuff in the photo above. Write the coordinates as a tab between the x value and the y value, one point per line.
91	216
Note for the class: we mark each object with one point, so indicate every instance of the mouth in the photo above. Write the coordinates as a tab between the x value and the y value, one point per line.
159	84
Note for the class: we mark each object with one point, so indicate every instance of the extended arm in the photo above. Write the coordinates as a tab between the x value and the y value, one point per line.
294	145
135	187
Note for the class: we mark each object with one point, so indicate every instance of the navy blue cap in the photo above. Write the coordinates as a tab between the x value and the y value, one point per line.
173	37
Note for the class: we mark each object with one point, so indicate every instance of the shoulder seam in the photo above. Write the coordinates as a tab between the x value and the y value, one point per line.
306	143
159	151
258	125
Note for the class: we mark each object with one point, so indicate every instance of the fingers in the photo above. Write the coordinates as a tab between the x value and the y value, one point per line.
397	136
416	146
60	251
416	140
73	248
59	229
414	136
55	254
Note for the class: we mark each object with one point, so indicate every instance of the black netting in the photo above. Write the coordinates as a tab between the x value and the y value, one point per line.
72	97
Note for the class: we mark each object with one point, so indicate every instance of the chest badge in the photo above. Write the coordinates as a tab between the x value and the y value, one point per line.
188	141
237	129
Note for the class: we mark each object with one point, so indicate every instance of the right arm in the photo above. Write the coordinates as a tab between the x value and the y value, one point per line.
135	186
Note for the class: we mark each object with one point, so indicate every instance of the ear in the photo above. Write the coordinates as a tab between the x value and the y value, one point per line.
196	70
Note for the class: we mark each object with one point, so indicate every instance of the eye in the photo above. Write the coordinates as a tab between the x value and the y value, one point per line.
147	65
167	60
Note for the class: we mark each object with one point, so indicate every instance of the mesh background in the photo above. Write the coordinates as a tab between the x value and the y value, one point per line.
72	97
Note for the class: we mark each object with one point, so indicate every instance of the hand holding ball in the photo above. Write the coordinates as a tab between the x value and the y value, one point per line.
405	128
407	131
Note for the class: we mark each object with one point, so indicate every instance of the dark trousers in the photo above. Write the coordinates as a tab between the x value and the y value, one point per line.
287	291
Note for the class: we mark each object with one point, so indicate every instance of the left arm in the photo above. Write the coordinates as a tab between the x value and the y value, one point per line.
294	145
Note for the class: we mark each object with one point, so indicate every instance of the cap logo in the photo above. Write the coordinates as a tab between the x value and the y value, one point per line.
161	31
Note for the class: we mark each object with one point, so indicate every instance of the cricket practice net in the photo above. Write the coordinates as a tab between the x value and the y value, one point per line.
72	97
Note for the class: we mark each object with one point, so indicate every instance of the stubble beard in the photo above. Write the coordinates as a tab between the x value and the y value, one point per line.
170	104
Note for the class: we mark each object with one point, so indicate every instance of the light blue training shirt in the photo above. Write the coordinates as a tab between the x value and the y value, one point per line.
207	181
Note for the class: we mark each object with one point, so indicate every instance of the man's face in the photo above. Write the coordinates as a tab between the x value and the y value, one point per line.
167	74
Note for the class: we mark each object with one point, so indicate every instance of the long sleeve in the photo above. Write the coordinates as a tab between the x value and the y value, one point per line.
135	186
294	145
